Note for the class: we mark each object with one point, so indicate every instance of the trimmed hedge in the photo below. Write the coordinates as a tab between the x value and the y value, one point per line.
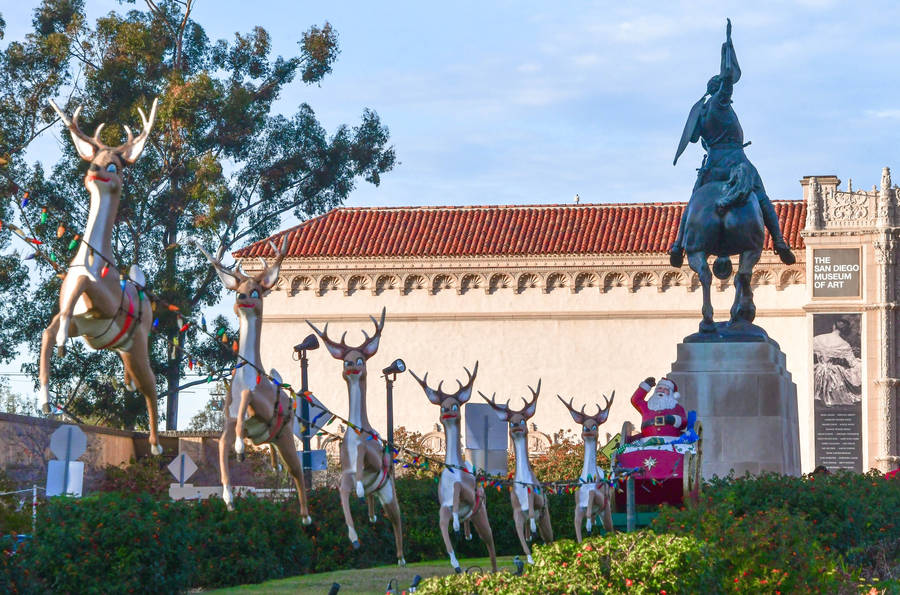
120	542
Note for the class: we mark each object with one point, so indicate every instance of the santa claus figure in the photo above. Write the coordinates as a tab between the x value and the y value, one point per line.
661	414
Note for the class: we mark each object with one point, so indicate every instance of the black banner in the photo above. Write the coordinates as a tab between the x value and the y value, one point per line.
837	388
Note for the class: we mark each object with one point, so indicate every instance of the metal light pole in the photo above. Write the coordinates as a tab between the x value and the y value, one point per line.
390	375
309	343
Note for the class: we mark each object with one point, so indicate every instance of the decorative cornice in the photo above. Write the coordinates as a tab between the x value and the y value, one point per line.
536	315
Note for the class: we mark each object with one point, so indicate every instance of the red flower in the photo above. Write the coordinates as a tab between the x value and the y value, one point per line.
628	582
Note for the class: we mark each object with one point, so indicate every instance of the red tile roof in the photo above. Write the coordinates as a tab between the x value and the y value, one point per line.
519	230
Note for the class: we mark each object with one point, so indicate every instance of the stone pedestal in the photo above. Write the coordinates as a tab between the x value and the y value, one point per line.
747	403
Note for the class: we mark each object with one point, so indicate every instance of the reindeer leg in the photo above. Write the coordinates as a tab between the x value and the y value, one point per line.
531	523
370	505
239	426
519	520
467	530
361	451
137	363
346	488
579	516
589	510
387	496
607	511
444	517
457	485
68	297
276	466
295	466
483	526
226	439
545	527
44	374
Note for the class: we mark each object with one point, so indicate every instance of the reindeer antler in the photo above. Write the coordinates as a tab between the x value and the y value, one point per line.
87	146
269	275
230	279
133	147
603	413
578	416
437	396
504	410
339	350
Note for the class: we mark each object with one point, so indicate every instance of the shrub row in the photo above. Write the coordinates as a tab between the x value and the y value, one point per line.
751	533
122	542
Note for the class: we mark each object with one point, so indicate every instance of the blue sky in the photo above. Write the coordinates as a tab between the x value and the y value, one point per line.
533	102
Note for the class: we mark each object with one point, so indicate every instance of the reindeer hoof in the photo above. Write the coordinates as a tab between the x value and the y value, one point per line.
45	408
355	544
468	537
529	559
457	569
156	449
401	562
456	523
360	490
307	520
373	518
61	351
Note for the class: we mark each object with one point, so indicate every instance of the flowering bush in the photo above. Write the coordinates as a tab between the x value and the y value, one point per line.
622	563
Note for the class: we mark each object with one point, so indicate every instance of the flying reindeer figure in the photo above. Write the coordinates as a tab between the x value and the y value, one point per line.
527	501
457	492
593	496
366	462
94	302
252	392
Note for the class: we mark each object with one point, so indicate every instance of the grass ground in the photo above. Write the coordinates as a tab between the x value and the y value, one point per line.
368	580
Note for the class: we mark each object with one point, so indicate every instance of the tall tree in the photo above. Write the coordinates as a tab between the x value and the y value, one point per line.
220	166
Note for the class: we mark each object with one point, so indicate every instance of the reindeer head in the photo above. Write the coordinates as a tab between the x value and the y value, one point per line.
250	289
518	420
354	358
451	403
107	163
590	423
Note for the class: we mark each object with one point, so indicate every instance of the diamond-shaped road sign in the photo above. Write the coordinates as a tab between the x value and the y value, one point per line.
182	467
68	443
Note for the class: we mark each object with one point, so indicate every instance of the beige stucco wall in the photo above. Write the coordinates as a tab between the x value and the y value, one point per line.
581	344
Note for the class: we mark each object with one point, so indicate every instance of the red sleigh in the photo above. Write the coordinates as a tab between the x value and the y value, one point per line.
663	472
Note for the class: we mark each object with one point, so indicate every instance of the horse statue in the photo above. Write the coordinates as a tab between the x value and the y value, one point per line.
729	210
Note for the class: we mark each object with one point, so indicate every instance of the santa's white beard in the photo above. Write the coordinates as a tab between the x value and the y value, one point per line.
660	401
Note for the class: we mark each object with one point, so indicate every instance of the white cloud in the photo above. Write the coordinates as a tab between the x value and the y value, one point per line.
887	114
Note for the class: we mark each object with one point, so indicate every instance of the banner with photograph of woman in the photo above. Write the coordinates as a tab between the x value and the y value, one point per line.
837	389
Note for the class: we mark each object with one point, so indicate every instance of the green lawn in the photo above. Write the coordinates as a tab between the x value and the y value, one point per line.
368	580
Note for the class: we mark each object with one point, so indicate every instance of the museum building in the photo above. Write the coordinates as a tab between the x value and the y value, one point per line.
582	298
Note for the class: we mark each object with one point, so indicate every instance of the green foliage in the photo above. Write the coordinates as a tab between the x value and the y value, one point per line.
623	563
762	550
13	517
109	543
144	476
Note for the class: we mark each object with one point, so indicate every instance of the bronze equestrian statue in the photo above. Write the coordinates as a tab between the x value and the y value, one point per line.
729	210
